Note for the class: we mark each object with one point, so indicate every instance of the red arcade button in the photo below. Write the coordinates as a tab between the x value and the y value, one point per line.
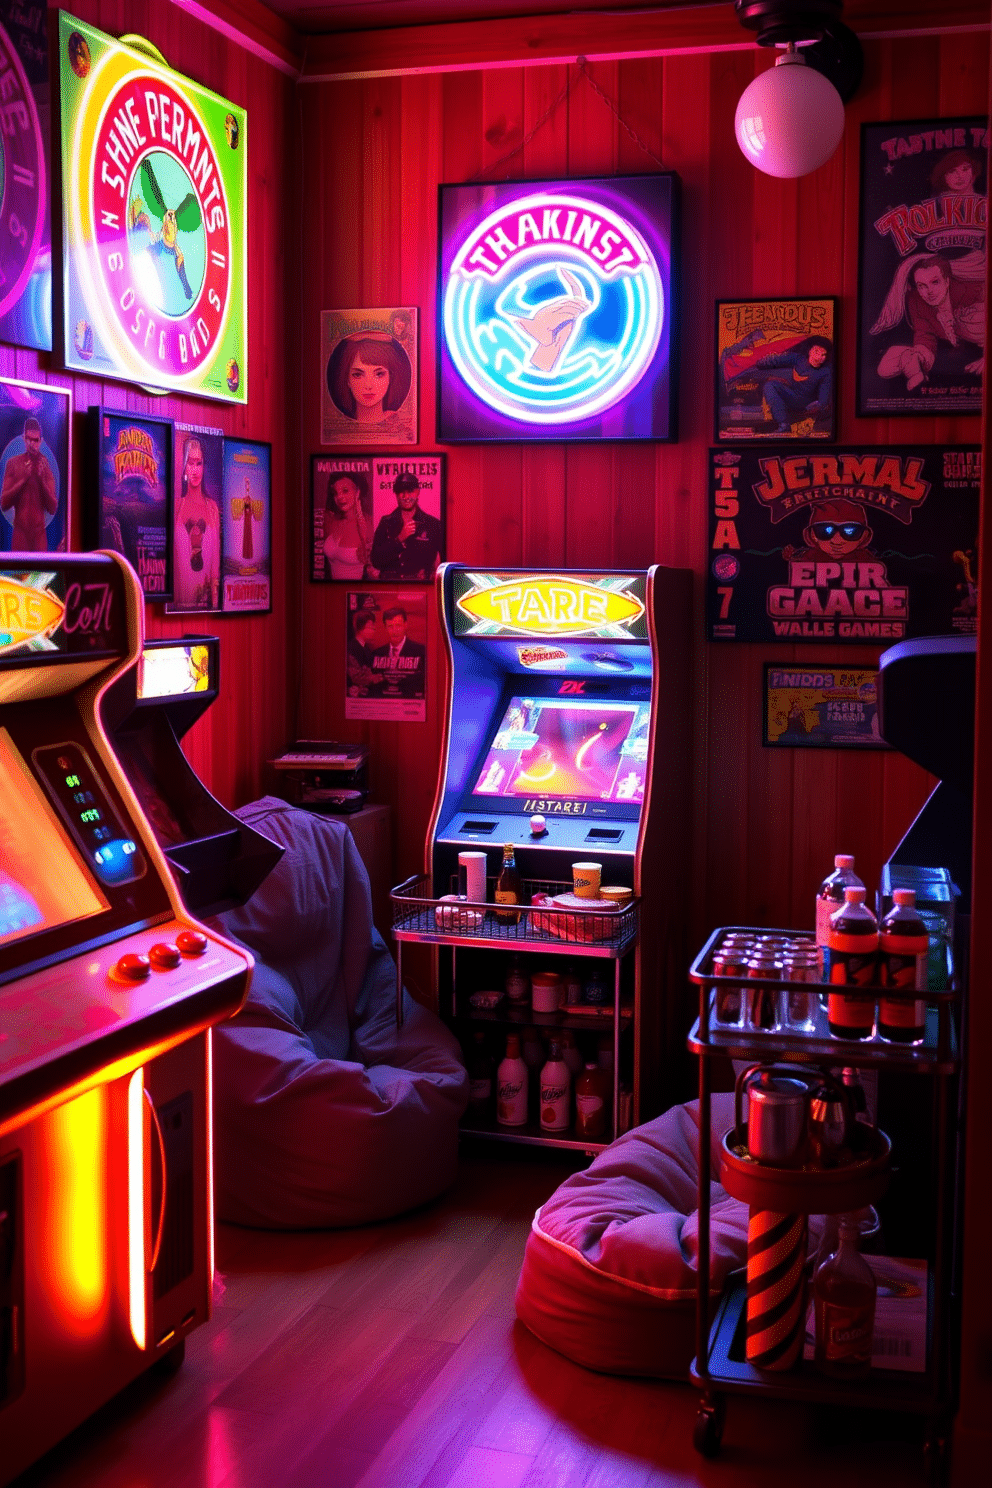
133	968
191	942
164	956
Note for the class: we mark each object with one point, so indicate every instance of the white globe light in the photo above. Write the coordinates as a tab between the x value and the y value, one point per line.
790	119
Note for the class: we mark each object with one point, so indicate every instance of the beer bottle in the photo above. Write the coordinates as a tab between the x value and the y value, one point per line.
831	897
904	947
851	961
511	1082
844	1291
509	887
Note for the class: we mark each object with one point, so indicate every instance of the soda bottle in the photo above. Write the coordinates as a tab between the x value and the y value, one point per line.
511	1081
831	897
480	1075
509	887
844	1292
904	947
556	1091
590	1102
851	953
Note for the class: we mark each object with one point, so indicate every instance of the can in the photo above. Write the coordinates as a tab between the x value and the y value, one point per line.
761	1001
728	962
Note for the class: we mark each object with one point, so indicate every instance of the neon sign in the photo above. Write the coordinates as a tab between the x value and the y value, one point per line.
556	309
29	612
549	605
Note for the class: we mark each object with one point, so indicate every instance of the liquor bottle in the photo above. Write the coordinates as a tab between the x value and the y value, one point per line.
517	982
511	1080
509	887
851	961
556	1091
831	897
844	1291
590	1102
480	1076
904	946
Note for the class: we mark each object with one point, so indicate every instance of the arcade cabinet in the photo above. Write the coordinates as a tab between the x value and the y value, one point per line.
567	733
108	991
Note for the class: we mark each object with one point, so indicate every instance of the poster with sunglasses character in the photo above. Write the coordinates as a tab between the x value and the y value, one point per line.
921	271
368	391
873	544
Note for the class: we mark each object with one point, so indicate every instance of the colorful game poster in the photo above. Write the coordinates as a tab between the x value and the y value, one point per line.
247	526
386	655
921	279
833	707
555	309
368	389
25	190
132	457
154	221
341	524
776	369
197	534
35	447
875	543
408	511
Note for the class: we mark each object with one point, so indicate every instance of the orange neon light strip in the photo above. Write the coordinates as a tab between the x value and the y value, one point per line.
137	1309
74	1201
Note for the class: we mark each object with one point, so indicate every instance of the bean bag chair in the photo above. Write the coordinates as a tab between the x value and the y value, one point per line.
325	1112
609	1272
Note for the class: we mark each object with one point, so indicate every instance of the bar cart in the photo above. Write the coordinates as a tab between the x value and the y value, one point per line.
461	925
720	1366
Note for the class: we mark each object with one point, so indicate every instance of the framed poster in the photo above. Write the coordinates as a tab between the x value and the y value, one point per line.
776	369
555	309
368	388
408	511
246	535
386	655
25	190
130	457
197	533
921	268
875	543
828	707
340	517
35	451
154	221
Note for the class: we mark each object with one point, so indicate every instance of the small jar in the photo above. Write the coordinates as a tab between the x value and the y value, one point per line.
547	992
594	991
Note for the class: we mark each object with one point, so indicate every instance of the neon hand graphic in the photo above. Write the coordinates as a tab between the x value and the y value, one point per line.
552	326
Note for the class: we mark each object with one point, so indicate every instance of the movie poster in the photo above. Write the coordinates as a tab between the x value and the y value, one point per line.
408	511
133	515
921	290
197	545
776	369
872	544
833	707
341	523
35	437
386	660
247	527
368	389
25	190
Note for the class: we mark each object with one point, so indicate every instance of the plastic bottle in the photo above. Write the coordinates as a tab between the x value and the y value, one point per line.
509	887
844	1291
511	1077
590	1102
480	1075
851	961
904	947
831	897
556	1091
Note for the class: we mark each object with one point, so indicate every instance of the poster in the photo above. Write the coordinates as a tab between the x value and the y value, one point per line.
386	660
376	517
859	545
197	551
35	447
154	221
776	369
368	389
132	459
822	707
246	536
556	309
25	188
921	271
340	518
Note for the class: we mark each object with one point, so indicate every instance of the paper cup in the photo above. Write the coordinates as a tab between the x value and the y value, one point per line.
474	864
585	880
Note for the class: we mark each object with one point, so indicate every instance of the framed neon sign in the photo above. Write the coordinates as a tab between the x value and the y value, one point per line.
154	221
556	310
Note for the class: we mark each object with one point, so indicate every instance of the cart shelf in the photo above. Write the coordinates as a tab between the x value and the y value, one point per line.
532	1134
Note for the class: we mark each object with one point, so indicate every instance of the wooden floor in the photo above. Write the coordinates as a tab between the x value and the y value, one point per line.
389	1357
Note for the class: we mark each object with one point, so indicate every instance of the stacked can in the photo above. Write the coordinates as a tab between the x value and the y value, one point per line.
800	963
764	963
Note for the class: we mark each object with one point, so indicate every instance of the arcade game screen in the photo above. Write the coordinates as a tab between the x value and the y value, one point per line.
581	750
170	671
43	883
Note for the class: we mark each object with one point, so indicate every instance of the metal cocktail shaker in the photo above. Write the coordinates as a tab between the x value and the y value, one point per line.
777	1116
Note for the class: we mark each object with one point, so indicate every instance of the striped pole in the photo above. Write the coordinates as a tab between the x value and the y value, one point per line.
776	1288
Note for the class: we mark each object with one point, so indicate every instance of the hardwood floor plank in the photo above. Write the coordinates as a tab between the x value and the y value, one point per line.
482	1467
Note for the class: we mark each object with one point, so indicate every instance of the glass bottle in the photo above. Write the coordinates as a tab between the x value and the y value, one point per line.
852	958
831	897
904	948
511	1078
844	1290
509	887
556	1091
590	1102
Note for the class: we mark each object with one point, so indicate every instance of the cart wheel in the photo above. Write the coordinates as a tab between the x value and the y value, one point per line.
708	1431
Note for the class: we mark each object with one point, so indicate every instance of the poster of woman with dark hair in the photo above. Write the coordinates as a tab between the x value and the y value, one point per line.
368	390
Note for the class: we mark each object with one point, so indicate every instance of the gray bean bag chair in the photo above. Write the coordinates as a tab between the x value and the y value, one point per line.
325	1112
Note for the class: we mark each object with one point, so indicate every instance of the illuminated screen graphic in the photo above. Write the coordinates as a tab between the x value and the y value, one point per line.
170	671
556	309
42	881
589	751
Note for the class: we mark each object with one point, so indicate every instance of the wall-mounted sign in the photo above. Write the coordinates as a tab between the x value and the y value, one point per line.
776	369
876	543
815	707
154	221
604	606
555	309
25	197
62	614
130	465
35	439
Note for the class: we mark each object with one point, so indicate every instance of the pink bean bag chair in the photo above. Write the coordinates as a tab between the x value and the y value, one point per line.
609	1272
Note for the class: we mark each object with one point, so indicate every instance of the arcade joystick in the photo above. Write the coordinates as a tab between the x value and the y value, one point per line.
538	826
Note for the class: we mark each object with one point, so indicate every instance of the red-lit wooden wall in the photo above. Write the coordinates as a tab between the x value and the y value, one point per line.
767	823
252	719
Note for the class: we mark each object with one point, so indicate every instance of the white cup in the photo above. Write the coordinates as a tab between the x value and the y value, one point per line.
474	864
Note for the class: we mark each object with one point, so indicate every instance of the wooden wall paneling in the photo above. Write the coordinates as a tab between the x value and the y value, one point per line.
420	170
